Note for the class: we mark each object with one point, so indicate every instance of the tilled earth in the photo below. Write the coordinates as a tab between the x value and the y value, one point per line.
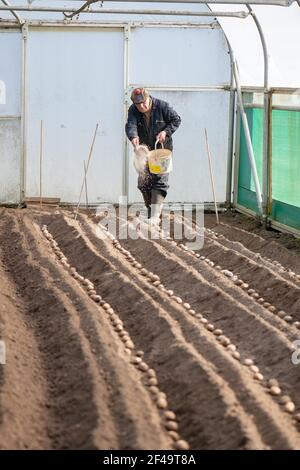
143	344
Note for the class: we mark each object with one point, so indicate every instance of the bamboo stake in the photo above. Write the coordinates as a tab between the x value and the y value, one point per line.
86	170
211	176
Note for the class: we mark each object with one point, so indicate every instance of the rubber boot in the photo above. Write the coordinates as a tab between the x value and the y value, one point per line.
147	201
157	200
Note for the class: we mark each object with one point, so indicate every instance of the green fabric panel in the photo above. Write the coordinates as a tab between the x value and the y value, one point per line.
286	214
286	156
246	187
247	199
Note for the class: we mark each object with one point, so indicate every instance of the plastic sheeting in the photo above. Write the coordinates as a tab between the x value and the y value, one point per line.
282	34
280	25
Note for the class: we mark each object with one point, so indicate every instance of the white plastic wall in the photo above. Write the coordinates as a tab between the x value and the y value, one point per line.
179	57
190	180
75	80
10	123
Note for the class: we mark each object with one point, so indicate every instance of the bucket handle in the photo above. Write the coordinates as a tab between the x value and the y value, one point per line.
162	145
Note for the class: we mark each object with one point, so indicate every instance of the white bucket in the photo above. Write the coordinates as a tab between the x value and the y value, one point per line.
160	161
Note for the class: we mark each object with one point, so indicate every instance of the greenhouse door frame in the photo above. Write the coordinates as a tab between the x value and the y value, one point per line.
236	163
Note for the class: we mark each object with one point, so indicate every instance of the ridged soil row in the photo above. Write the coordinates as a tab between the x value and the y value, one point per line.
273	265
278	294
271	286
147	375
239	316
181	371
77	353
269	249
239	380
22	422
139	424
272	277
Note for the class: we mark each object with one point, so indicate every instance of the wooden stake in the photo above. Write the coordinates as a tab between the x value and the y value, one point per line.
85	184
86	170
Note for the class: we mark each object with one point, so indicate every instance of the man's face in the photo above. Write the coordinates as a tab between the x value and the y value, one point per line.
144	106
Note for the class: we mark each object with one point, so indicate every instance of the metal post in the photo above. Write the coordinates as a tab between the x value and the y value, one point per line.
254	2
236	152
230	149
23	113
125	185
230	131
24	30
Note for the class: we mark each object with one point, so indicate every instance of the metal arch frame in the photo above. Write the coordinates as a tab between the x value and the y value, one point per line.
284	3
234	127
10	8
231	127
107	24
263	199
266	176
237	14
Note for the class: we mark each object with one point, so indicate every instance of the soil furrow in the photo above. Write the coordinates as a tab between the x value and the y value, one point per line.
227	306
232	376
127	417
142	343
257	244
161	339
22	422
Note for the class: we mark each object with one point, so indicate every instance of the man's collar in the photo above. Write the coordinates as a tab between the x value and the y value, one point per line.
154	102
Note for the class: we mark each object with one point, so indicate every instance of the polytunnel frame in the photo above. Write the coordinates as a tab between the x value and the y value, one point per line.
263	197
126	26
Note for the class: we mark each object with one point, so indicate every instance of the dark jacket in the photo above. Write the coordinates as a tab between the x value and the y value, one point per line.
163	118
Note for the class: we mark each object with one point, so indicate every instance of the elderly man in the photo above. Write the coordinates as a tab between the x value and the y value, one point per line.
150	120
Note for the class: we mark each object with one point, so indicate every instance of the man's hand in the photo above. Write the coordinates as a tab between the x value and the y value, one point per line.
161	137
135	141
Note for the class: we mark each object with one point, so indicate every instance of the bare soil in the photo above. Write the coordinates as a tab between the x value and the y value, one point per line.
70	383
